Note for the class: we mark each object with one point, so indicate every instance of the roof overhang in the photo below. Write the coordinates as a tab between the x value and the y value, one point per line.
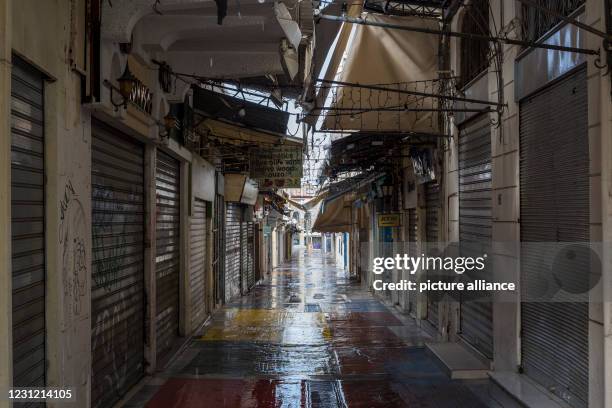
191	38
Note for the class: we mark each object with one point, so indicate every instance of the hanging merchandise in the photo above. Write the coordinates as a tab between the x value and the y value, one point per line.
423	164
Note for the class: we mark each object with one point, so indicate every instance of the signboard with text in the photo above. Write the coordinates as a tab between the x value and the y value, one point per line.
389	220
279	167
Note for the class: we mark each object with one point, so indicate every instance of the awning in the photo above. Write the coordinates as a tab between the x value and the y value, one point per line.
334	216
235	133
396	60
240	189
325	34
354	184
243	113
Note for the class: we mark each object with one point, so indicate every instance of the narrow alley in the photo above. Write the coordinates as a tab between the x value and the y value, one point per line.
305	203
309	337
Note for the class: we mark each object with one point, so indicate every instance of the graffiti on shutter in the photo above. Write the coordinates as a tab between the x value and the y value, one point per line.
117	285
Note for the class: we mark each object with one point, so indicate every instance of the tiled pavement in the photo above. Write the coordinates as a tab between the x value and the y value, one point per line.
308	337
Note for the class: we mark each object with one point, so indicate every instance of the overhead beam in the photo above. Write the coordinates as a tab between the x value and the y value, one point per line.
470	36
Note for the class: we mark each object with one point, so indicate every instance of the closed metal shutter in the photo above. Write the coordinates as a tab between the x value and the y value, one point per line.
554	174
233	216
251	254
219	249
28	226
412	226
244	257
117	292
197	263
475	231
432	204
167	253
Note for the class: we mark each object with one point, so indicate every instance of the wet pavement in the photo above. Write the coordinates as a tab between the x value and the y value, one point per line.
309	337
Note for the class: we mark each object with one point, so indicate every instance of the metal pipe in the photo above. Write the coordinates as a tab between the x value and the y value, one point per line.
470	36
415	93
400	109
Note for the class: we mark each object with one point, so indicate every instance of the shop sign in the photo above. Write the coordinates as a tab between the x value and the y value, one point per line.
389	220
280	167
142	97
267	230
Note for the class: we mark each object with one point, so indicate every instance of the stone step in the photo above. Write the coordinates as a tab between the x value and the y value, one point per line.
459	362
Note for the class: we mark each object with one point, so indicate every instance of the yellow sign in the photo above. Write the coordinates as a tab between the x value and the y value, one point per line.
389	220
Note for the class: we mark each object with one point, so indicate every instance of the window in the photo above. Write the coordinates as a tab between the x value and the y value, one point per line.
474	57
537	22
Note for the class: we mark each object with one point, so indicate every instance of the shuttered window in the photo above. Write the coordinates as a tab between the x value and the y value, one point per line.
117	285
28	226
554	174
475	227
167	251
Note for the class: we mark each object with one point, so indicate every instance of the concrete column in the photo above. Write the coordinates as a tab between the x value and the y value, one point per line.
6	340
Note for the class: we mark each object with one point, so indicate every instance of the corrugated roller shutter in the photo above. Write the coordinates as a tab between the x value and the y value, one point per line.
233	216
219	249
28	226
244	257
117	292
412	226
432	205
167	252
413	223
251	254
475	226
197	263
554	170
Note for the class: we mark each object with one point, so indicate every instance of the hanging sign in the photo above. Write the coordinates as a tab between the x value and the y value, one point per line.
279	167
389	220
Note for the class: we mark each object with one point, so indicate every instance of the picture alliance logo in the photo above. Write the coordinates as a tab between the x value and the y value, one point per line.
459	264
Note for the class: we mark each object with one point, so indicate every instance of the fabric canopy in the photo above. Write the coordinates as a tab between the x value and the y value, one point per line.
325	34
388	57
335	216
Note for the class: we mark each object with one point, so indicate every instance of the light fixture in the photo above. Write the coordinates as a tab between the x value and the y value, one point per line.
242	112
126	82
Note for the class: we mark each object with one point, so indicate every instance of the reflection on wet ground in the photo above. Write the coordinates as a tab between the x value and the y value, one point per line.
308	337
